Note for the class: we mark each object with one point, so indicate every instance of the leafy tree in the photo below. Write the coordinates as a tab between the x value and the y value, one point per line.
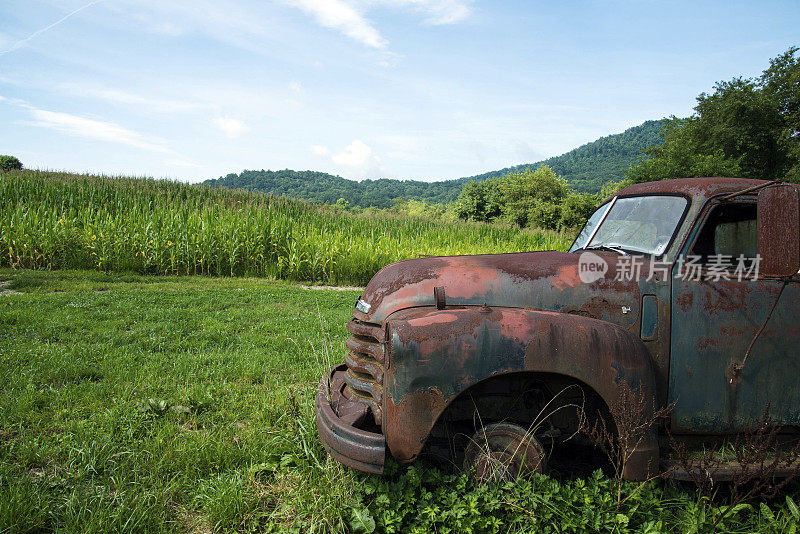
533	198
576	208
745	128
680	157
9	163
480	201
781	81
609	189
530	197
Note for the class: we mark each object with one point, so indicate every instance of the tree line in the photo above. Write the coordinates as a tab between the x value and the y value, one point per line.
586	168
746	128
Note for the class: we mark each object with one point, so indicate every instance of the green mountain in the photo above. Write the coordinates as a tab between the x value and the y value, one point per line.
586	168
327	188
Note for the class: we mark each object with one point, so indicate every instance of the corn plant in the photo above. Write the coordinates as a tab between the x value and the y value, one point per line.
51	220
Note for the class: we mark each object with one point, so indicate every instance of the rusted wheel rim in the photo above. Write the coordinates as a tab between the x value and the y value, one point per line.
502	452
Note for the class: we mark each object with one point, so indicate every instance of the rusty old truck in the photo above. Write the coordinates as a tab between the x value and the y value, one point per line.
684	290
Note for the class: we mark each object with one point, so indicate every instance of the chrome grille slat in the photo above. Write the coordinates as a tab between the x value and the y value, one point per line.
365	383
364	364
368	330
360	346
364	359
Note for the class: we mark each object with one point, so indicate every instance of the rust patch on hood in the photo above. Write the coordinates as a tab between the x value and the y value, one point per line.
543	280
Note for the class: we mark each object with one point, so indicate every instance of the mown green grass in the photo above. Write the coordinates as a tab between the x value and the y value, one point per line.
83	446
58	220
184	404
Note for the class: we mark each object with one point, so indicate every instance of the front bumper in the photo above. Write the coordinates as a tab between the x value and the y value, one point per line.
337	417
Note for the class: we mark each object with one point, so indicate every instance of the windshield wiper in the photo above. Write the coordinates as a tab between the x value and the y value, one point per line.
611	247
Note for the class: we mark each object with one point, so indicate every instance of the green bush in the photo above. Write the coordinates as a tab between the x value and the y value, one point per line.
530	198
577	208
10	163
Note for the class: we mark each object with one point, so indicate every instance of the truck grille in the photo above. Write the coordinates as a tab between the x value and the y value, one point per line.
365	359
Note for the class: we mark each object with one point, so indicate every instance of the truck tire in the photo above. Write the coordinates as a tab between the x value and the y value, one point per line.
501	452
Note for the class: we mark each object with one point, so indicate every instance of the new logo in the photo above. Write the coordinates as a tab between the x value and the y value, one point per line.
591	267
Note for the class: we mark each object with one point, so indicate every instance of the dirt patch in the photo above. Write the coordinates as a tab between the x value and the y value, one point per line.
4	284
194	522
37	474
333	288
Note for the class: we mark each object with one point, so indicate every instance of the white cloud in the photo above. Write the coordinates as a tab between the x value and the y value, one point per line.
341	16
232	128
356	154
94	129
321	151
356	160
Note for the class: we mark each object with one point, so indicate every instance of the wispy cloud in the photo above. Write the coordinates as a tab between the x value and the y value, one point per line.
345	18
349	18
22	42
124	97
219	18
438	11
93	129
232	128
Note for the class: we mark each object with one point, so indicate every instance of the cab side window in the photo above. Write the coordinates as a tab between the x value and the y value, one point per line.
730	230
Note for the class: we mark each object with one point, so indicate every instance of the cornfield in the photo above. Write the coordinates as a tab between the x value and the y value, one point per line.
52	220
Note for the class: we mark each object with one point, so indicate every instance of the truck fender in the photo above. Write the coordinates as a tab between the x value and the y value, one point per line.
435	355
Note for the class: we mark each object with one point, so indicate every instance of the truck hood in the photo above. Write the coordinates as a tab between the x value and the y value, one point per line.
540	280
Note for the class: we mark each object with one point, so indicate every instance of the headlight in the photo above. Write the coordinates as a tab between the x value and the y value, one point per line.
362	306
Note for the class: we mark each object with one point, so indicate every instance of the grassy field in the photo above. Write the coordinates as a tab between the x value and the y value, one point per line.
57	220
184	404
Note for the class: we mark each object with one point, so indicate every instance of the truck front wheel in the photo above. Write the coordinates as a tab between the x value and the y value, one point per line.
502	452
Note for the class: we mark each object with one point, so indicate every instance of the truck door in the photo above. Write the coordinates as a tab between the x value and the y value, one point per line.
718	307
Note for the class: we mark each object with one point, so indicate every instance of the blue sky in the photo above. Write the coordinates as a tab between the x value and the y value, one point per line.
422	89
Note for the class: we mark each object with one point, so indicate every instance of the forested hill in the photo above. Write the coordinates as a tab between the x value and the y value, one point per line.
590	166
327	188
586	168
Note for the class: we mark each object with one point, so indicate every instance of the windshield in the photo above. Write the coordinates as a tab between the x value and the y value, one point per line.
633	224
